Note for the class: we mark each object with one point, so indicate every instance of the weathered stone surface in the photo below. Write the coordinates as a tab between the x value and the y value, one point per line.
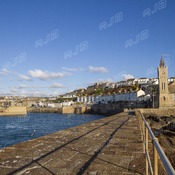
105	146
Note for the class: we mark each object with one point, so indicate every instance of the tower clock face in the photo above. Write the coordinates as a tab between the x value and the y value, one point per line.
163	73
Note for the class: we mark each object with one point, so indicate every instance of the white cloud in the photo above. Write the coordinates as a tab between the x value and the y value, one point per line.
4	72
73	69
45	75
98	69
56	93
22	86
14	91
24	77
66	73
127	76
31	92
56	85
104	80
23	92
37	93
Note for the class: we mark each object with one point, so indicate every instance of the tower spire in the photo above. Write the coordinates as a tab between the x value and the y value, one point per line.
162	62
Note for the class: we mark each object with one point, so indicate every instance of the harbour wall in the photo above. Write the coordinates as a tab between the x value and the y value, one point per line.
106	109
13	111
44	110
101	109
62	110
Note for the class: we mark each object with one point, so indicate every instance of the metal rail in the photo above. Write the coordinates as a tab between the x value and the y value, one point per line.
157	150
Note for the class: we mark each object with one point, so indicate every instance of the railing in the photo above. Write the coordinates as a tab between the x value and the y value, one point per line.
157	150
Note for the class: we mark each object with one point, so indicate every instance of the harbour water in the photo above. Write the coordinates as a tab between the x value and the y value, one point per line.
18	129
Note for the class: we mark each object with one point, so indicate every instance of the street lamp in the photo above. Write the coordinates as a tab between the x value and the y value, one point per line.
153	99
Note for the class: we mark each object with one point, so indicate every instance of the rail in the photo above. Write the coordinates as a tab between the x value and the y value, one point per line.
157	151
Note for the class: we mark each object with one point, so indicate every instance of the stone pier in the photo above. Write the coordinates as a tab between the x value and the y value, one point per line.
109	146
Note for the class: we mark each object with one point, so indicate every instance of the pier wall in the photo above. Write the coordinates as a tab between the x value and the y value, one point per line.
45	110
107	109
68	110
10	111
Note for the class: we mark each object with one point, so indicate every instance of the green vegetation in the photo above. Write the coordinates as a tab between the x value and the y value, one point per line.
60	100
98	92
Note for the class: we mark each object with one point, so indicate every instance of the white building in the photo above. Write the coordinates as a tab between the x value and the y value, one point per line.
127	96
132	81
69	95
143	81
67	103
154	81
121	83
171	79
51	105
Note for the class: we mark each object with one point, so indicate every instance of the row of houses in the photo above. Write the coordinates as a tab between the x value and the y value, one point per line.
52	105
142	82
128	96
32	102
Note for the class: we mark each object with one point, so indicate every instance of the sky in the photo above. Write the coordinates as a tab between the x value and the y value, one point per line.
49	47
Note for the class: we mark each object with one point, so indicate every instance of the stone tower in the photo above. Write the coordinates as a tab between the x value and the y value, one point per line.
163	84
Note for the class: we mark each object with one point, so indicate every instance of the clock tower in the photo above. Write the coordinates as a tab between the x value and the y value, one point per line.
163	84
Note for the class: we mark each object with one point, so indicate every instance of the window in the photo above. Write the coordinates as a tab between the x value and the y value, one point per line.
164	98
163	86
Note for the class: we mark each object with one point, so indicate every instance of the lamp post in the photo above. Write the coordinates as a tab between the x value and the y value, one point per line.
153	99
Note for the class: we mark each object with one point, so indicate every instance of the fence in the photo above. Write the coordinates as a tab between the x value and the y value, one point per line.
157	151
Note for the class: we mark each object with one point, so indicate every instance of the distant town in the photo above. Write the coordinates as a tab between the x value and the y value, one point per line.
136	90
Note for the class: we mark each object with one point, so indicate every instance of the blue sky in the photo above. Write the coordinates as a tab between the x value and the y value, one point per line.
48	47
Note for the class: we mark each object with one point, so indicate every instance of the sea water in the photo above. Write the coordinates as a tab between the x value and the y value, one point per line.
16	129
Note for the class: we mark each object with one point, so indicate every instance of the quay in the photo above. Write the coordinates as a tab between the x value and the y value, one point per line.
109	146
